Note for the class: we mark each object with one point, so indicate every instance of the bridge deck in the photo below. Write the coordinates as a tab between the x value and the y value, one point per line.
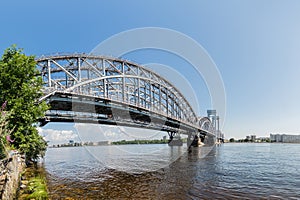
67	107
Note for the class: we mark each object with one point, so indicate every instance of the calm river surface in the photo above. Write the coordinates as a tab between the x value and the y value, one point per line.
228	171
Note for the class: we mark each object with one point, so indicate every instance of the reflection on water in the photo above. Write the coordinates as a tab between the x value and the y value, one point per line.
230	171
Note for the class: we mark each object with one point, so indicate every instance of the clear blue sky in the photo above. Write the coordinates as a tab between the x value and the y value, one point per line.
255	44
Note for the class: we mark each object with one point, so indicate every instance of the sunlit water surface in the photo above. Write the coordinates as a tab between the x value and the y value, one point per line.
228	171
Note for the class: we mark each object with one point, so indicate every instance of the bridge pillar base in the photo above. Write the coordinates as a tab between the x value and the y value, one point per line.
220	140
189	141
196	141
175	139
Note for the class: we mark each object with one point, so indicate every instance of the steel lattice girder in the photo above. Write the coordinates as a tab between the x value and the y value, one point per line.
117	80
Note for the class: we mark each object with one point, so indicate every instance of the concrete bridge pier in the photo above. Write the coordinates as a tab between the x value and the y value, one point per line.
193	140
174	139
189	140
196	141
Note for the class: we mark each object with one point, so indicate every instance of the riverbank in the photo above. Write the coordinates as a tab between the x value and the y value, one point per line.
17	181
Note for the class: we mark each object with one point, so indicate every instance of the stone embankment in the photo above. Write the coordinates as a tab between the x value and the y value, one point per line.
10	173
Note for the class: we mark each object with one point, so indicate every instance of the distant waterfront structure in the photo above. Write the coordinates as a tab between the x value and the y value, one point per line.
253	138
79	144
285	138
215	120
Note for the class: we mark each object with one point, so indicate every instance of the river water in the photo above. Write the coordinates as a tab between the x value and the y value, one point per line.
227	171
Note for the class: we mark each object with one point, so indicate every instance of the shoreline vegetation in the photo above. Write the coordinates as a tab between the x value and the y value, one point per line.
107	143
264	140
33	184
20	87
121	142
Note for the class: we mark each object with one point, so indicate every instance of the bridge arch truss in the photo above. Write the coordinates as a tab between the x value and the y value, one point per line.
114	79
121	81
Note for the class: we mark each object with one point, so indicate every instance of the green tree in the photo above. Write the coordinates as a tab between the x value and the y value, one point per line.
231	140
21	88
4	131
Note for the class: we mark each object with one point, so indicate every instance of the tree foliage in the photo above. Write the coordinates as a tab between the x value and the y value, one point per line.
21	88
4	131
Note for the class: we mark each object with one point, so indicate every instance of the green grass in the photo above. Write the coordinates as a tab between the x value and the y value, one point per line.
37	188
36	185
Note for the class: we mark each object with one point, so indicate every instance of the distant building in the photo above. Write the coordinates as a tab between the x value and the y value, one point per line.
100	143
164	138
285	138
253	138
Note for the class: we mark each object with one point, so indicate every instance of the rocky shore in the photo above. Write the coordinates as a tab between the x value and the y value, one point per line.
11	169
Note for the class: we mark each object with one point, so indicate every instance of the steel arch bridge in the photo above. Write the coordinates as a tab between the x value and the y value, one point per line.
98	89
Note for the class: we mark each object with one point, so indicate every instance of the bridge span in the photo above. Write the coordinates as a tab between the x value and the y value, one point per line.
97	89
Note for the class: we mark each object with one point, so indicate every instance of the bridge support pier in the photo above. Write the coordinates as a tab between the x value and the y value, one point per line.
220	140
195	140
189	141
174	139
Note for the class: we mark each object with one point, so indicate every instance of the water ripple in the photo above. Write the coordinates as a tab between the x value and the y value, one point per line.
231	171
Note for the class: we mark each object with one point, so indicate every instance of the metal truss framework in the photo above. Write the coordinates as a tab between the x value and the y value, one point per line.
117	80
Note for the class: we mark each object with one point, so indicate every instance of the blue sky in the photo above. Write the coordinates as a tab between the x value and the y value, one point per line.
255	45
